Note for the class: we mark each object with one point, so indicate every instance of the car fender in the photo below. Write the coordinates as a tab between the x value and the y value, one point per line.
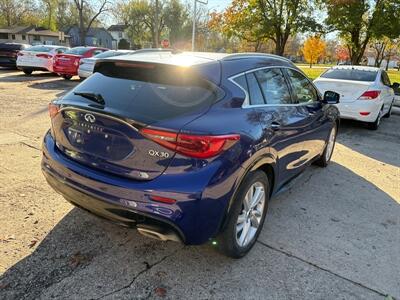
251	165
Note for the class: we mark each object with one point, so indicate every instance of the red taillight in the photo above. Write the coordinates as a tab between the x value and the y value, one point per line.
162	199
369	95
364	113
46	56
198	146
53	110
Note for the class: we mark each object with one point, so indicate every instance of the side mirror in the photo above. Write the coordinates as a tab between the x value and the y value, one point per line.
331	97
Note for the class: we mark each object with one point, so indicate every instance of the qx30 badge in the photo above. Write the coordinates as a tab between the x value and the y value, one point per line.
90	118
160	154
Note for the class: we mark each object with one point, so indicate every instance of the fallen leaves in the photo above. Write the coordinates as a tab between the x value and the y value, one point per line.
160	292
78	259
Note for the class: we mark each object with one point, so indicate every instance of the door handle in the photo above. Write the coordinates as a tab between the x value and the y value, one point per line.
275	125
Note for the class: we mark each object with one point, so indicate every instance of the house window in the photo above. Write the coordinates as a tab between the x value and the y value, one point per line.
23	37
36	38
120	35
100	42
3	36
13	36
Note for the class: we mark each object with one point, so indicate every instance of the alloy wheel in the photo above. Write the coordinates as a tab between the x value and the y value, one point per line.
330	144
250	216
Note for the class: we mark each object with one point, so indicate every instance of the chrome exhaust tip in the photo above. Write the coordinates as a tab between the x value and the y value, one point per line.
159	234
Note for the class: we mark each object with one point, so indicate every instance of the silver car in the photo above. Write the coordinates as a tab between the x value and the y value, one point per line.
86	65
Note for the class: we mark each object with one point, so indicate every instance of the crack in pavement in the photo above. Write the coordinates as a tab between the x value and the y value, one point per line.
322	268
148	267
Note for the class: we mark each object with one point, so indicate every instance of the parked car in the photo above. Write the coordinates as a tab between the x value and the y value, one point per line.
9	52
366	93
396	89
38	58
67	63
188	146
86	65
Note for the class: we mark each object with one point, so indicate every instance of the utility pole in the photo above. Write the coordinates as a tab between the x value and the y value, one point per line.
194	20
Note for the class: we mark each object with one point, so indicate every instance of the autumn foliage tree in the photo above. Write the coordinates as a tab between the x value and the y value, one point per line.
342	53
313	49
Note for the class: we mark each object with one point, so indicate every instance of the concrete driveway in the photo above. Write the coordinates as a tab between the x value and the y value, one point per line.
333	234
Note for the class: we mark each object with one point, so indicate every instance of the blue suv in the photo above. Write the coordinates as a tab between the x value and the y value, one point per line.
188	146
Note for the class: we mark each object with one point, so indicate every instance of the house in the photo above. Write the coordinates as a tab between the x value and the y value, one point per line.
118	33
32	35
369	60
98	37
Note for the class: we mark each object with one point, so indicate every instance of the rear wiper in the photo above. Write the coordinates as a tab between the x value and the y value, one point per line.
91	96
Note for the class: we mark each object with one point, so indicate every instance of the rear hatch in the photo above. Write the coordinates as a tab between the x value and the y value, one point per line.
349	82
100	120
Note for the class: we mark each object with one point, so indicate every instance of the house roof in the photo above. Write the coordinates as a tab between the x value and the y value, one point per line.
118	27
16	29
45	33
31	30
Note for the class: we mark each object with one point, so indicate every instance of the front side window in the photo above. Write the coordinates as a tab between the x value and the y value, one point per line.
273	86
303	90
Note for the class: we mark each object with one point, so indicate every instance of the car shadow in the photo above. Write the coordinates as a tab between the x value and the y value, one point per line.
19	76
61	85
358	137
86	257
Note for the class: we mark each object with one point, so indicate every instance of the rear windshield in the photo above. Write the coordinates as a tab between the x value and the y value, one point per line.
150	95
350	74
77	51
39	49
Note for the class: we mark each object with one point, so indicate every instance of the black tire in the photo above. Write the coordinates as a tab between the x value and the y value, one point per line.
324	159
389	113
82	78
375	125
67	77
227	239
27	71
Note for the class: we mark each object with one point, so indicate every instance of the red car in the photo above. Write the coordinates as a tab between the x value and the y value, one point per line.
67	63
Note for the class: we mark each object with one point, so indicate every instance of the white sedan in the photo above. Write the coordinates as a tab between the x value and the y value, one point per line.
38	58
86	65
365	92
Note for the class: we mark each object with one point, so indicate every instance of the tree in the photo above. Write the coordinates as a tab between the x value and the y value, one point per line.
261	20
342	53
313	49
83	8
357	21
18	12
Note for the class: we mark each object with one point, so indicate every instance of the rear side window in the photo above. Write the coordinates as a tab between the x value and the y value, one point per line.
273	86
256	96
350	74
385	79
148	94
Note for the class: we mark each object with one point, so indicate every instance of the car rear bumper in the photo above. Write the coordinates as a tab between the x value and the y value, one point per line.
65	70
195	217
84	73
360	110
7	61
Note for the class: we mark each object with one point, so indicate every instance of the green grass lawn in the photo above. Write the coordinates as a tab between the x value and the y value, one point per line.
314	72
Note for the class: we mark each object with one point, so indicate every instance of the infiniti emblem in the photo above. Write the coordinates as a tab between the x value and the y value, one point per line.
90	118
